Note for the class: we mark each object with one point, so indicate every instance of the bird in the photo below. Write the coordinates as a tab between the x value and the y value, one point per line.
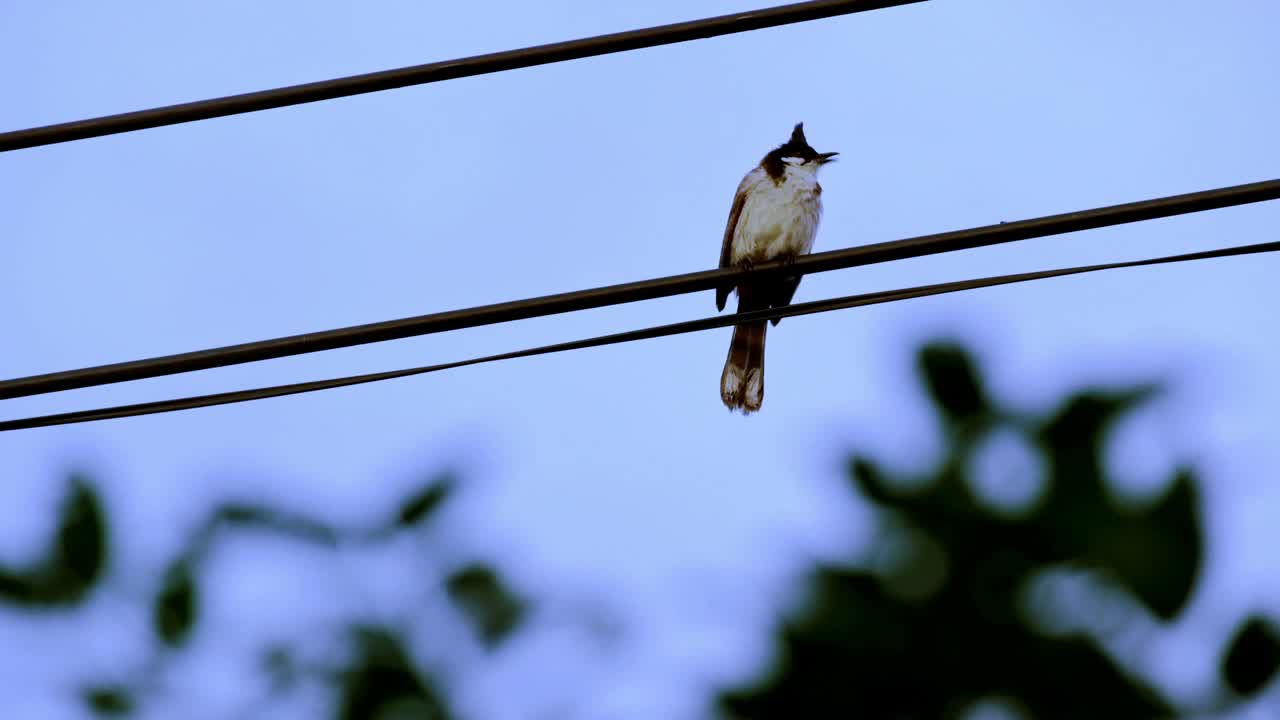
774	216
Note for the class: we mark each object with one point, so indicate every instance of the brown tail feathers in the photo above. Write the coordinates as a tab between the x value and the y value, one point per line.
742	382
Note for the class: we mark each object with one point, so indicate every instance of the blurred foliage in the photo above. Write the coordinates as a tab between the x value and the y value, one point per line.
109	700
382	682
75	559
284	523
971	597
1251	657
967	600
494	611
379	679
424	503
176	604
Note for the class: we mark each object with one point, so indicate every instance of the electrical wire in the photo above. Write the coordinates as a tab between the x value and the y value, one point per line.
636	291
808	308
439	71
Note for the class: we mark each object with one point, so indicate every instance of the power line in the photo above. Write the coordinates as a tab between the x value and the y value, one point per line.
438	71
636	291
709	323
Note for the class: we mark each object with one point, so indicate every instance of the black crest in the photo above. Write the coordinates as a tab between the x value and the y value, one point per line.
795	146
797	136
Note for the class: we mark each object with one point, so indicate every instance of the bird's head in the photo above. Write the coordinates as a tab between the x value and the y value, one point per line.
795	152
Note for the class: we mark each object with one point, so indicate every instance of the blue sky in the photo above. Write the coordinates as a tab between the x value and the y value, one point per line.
947	114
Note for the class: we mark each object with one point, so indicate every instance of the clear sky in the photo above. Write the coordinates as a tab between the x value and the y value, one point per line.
617	471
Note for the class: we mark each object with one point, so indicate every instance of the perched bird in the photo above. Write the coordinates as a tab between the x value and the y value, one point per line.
774	217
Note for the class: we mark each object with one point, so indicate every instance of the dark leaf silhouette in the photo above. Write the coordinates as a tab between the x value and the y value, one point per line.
870	479
493	609
75	561
1083	520
20	588
298	526
423	504
109	700
380	679
382	682
1156	552
176	606
937	618
953	382
1072	441
1252	657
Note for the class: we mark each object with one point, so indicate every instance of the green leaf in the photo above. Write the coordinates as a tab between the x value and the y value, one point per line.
18	588
109	700
81	550
382	682
1074	436
424	503
952	380
177	604
293	524
75	561
870	479
1170	530
480	593
1082	520
869	646
1252	657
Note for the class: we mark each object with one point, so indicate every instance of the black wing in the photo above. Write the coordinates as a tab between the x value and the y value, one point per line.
783	291
722	293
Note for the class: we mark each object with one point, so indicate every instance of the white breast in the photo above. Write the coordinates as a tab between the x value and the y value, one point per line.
777	218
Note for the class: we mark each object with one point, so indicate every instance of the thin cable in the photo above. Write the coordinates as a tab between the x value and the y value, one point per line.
635	291
438	71
809	308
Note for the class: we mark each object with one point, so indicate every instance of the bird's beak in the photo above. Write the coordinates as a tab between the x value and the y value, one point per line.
824	158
